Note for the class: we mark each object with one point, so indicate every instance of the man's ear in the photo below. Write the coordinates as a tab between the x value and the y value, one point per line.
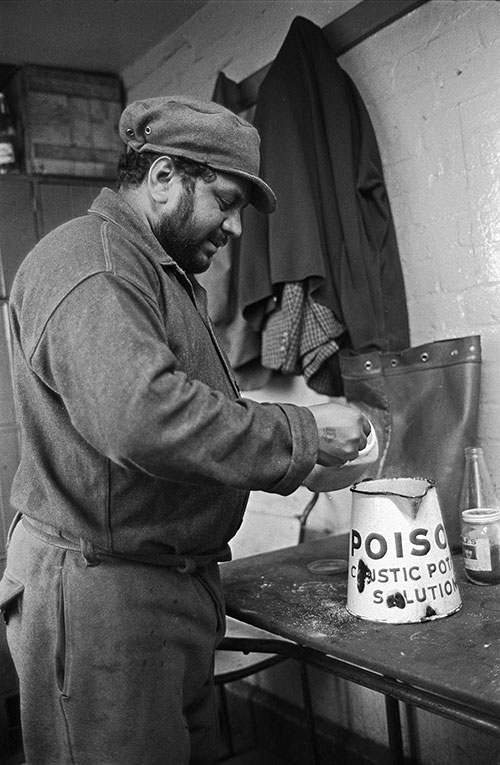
160	175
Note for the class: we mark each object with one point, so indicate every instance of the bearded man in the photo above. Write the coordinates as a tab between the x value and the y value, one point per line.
138	451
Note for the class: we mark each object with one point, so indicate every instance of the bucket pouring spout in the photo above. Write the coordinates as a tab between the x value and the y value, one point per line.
406	493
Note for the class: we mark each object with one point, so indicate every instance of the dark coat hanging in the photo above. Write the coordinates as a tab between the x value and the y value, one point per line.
333	230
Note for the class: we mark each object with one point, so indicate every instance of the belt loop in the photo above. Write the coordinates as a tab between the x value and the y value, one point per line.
88	553
189	566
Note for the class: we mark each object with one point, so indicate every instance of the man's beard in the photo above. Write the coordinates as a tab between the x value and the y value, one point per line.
173	234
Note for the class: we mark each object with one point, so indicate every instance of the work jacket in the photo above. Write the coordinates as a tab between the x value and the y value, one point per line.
133	433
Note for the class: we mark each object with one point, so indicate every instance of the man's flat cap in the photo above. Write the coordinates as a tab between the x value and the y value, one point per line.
201	131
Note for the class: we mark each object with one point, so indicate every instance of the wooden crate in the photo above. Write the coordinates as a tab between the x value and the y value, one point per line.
67	120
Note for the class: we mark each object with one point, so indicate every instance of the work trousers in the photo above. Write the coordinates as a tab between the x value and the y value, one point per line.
115	660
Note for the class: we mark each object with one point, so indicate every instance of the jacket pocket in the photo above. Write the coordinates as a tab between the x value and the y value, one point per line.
11	590
18	516
62	655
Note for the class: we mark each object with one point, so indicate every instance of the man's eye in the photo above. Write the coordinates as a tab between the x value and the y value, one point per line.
224	204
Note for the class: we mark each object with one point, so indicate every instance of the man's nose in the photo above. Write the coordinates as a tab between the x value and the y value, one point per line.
232	224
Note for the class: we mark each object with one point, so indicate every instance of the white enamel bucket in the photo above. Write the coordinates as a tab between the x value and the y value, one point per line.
400	567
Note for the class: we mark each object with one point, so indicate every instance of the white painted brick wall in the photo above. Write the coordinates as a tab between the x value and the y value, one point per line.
438	127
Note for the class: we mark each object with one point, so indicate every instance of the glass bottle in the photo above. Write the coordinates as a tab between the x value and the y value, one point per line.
7	139
477	486
480	515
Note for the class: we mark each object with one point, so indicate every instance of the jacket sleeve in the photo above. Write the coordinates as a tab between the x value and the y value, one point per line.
104	352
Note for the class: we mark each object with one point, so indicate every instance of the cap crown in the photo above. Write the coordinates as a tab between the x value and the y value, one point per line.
201	131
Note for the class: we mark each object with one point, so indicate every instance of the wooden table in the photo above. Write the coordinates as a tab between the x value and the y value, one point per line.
449	666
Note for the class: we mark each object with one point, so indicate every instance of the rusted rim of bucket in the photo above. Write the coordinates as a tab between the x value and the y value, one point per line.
357	490
419	620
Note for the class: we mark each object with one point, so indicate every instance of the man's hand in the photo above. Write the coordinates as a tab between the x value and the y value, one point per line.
323	478
343	432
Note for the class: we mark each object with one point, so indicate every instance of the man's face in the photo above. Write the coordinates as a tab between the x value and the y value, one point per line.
202	219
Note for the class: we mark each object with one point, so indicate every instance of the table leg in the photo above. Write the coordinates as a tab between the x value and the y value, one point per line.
394	730
311	729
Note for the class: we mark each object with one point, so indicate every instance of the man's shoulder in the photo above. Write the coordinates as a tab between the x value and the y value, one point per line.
69	259
74	244
84	247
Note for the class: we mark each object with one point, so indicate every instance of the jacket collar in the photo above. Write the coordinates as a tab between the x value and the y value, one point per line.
113	207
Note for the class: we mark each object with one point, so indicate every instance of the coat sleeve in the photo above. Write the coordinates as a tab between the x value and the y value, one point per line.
104	353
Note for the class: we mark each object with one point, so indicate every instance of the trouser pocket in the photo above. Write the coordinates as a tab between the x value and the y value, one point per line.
11	591
209	578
